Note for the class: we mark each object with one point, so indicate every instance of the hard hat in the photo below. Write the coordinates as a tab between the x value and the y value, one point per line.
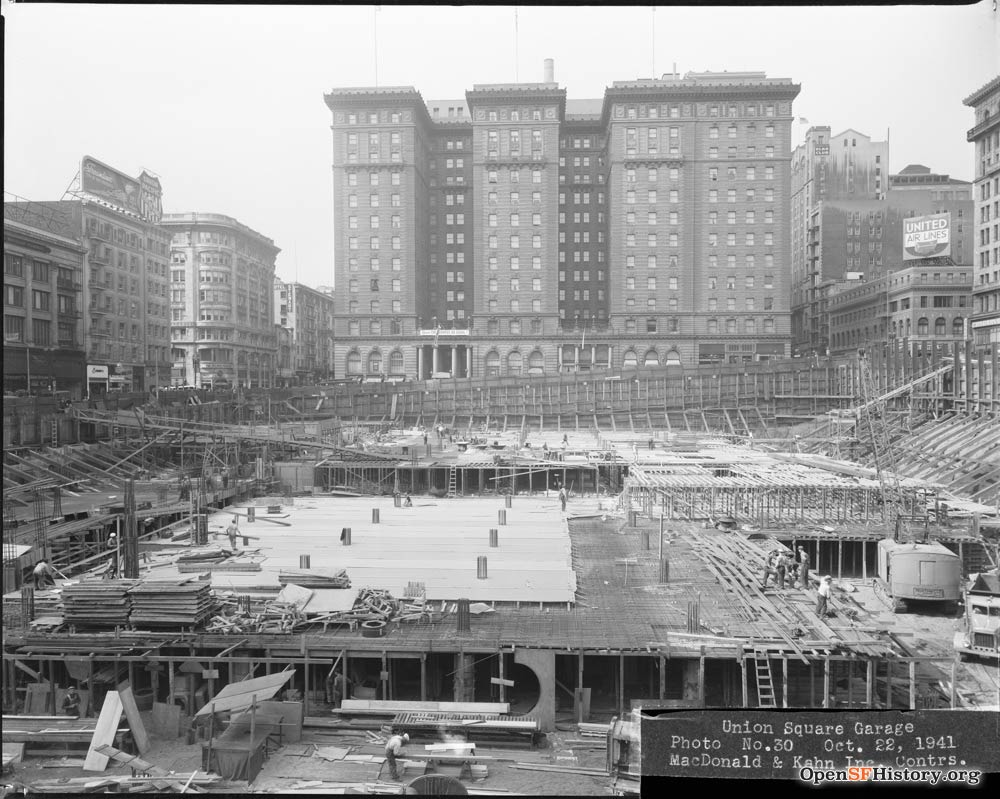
406	736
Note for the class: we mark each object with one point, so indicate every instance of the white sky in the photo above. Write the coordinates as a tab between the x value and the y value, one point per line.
225	103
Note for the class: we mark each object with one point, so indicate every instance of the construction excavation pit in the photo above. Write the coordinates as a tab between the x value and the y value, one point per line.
209	597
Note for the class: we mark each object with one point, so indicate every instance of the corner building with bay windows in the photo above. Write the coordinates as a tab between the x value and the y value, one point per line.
516	231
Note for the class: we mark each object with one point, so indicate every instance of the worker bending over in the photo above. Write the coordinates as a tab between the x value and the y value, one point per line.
393	749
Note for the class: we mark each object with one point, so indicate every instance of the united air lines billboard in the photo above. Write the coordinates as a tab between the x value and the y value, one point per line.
926	236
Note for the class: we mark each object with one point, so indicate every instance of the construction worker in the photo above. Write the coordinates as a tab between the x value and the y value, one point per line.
562	498
779	570
112	571
71	702
823	596
804	567
407	502
393	749
336	688
42	575
768	568
233	531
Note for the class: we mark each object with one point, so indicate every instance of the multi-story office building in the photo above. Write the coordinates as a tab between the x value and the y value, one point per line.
859	239
848	170
43	292
221	302
927	303
519	232
985	135
126	324
308	314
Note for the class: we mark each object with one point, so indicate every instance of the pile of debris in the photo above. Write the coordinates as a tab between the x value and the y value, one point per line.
315	578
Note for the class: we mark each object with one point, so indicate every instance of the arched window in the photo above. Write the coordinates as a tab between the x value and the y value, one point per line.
396	363
958	327
354	362
940	326
374	362
514	363
492	363
672	358
651	358
536	363
630	361
922	326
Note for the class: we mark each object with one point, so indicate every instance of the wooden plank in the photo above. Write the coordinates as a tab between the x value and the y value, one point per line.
104	734
134	719
392	707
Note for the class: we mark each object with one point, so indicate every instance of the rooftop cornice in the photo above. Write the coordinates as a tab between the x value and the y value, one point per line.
981	93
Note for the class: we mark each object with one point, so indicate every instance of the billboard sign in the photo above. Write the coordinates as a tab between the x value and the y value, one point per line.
97	372
109	184
150	198
926	236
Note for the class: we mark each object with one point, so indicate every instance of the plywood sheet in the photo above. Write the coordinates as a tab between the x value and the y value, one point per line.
240	695
104	734
331	600
134	719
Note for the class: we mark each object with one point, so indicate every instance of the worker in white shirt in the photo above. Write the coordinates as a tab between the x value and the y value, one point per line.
42	575
393	749
823	596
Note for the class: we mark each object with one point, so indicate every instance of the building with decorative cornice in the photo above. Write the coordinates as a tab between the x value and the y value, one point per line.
221	294
985	136
308	314
523	233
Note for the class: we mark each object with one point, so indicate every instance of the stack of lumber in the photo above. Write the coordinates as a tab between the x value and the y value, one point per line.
315	578
202	566
98	603
587	730
169	604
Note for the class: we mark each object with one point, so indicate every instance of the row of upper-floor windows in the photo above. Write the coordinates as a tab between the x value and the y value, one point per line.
37	270
988	188
677	111
375	222
374	117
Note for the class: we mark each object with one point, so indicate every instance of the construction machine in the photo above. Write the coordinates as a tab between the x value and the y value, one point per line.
981	636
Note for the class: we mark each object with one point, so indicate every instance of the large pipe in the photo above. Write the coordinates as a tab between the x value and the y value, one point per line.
550	70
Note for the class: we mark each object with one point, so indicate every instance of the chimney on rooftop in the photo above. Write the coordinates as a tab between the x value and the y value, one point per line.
550	70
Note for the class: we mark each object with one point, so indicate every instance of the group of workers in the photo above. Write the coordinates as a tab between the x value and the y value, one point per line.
786	571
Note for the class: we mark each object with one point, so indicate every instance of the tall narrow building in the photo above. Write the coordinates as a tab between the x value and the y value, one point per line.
519	232
985	136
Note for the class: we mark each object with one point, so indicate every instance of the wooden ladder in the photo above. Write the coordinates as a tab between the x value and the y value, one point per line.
765	683
452	481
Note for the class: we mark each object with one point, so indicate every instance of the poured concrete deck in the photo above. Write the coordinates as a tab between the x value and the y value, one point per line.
435	542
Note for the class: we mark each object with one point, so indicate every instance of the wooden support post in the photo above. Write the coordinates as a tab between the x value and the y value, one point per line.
384	676
840	557
663	680
52	688
621	683
305	684
423	676
913	685
784	681
579	686
503	688
743	680
826	681
701	678
170	682
869	683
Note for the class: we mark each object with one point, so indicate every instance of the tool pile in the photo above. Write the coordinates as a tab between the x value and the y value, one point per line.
316	578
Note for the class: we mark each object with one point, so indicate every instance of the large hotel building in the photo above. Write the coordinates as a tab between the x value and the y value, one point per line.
519	232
